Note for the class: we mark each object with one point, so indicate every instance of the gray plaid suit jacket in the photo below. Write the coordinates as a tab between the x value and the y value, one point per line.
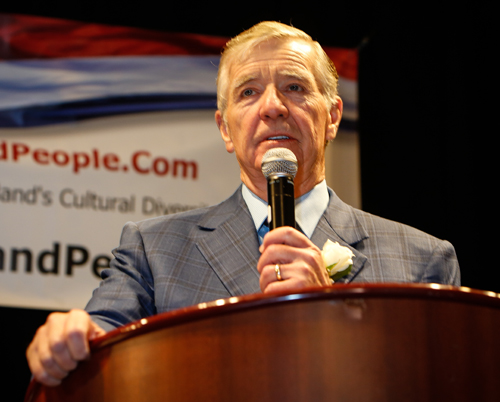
206	254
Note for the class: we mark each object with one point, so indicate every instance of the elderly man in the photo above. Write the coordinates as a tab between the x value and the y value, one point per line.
276	88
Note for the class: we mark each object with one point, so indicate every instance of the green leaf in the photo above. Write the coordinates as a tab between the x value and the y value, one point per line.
341	274
330	267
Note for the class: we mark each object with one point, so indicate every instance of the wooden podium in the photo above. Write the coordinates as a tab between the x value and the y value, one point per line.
346	343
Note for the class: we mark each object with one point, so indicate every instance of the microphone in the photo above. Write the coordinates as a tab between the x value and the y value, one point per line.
279	166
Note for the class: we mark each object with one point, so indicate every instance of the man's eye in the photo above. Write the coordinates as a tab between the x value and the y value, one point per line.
295	87
248	92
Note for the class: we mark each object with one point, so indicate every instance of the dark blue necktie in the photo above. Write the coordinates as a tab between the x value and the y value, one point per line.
262	231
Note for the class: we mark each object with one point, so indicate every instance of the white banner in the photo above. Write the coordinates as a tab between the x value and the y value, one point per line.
67	190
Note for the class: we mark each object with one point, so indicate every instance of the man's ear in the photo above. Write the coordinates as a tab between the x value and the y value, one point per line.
335	116
224	132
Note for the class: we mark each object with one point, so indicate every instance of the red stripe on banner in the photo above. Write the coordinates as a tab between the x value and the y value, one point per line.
345	60
31	37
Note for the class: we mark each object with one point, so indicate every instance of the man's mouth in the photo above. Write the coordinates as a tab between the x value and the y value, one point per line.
278	137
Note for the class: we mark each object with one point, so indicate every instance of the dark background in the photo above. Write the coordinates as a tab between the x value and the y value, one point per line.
424	134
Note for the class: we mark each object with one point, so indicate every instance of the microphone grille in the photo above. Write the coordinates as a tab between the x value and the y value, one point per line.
279	161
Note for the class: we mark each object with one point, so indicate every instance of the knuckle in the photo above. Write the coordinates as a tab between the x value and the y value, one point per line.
53	318
303	267
74	334
57	346
48	363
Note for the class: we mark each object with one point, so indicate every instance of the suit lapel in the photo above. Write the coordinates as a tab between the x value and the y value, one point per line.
339	224
230	245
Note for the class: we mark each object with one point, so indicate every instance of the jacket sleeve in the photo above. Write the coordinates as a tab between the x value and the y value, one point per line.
443	265
126	292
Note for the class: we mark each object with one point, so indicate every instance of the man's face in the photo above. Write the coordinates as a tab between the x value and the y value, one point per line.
273	100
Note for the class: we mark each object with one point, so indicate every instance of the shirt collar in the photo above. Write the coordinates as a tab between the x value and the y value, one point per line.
308	208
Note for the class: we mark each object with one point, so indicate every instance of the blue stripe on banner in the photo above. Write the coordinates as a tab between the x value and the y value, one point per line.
29	83
74	111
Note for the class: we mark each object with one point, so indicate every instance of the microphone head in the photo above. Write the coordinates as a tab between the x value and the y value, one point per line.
279	162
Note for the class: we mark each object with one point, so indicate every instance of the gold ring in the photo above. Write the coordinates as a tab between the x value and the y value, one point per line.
278	272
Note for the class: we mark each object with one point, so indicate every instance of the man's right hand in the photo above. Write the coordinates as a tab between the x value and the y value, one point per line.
60	344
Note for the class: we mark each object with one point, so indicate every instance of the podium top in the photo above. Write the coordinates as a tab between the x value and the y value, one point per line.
432	291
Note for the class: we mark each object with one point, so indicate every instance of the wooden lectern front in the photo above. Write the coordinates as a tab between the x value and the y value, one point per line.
346	343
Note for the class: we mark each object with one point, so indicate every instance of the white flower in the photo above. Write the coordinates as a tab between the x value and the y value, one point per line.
337	258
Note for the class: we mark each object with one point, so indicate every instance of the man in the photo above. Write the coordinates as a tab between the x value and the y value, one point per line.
276	88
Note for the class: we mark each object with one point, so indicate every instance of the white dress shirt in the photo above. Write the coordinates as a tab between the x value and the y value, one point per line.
308	208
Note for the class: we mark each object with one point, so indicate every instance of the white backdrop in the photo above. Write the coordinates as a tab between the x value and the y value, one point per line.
60	219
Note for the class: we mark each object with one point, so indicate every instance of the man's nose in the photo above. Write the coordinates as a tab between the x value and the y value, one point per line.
272	104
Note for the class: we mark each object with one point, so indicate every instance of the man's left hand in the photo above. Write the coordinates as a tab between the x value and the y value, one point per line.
290	261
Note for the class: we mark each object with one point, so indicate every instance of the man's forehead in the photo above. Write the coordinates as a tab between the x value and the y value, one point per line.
274	46
292	59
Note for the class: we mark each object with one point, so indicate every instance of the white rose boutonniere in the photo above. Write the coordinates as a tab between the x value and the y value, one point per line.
337	258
